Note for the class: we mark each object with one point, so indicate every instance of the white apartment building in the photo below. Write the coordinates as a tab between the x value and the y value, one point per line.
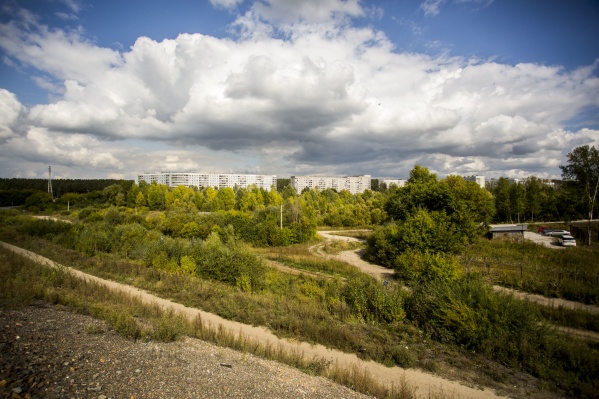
353	184
480	180
209	180
395	182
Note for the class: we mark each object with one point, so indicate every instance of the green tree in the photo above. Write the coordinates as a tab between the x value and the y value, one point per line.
422	191
518	200
38	201
111	195
470	207
501	192
227	198
156	199
534	197
583	171
140	200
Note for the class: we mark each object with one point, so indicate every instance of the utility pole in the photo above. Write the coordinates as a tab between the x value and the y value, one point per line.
281	216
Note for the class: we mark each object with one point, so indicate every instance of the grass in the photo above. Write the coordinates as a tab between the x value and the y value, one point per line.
573	318
290	306
301	258
334	247
25	282
570	274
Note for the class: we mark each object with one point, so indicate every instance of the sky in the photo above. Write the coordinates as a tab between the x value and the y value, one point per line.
109	89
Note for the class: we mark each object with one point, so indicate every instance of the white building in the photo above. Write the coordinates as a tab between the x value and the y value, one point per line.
480	180
209	180
513	180
395	182
353	184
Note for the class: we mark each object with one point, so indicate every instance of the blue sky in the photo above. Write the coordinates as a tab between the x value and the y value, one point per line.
111	88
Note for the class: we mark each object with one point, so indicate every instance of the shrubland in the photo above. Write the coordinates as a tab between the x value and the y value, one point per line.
205	247
448	309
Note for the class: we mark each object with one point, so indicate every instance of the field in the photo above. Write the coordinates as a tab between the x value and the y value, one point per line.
464	331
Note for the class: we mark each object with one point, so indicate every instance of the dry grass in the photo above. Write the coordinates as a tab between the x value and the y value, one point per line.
26	281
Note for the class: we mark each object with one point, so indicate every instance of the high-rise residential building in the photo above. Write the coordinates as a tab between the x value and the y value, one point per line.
353	184
394	182
209	180
480	180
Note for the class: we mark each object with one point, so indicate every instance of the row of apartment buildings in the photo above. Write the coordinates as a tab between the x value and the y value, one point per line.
353	184
209	180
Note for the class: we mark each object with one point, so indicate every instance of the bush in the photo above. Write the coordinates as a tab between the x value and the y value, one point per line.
415	267
231	263
370	300
44	227
422	231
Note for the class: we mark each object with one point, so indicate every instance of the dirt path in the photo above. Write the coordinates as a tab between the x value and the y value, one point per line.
296	272
381	273
551	302
427	383
352	257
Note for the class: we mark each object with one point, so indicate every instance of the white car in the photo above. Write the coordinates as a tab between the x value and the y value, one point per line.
557	232
566	241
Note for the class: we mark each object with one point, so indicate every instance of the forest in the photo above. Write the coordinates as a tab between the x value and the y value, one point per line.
212	249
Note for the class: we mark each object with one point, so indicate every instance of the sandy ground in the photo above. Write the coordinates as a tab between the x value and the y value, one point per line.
427	383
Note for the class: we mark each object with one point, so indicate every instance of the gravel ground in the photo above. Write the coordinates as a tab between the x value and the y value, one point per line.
49	353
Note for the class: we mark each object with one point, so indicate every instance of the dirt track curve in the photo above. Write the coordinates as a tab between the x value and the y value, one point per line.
426	383
381	273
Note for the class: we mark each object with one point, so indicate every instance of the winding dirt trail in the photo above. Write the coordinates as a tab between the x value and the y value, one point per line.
427	384
352	257
382	273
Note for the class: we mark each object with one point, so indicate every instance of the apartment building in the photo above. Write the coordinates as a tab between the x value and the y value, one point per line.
209	180
394	182
353	184
480	180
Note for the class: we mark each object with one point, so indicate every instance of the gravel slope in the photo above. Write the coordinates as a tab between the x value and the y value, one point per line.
46	352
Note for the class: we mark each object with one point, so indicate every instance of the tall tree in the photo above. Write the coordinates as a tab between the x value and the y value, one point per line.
518	199
583	171
501	191
534	189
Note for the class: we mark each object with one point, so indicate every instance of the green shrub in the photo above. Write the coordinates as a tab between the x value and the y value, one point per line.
126	325
421	267
370	300
422	231
227	262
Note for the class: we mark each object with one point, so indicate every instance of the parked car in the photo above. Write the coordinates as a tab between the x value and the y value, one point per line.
557	232
566	241
546	231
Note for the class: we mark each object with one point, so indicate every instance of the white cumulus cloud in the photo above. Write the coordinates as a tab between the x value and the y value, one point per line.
325	96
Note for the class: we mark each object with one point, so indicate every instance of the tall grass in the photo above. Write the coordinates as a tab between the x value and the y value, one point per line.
571	273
